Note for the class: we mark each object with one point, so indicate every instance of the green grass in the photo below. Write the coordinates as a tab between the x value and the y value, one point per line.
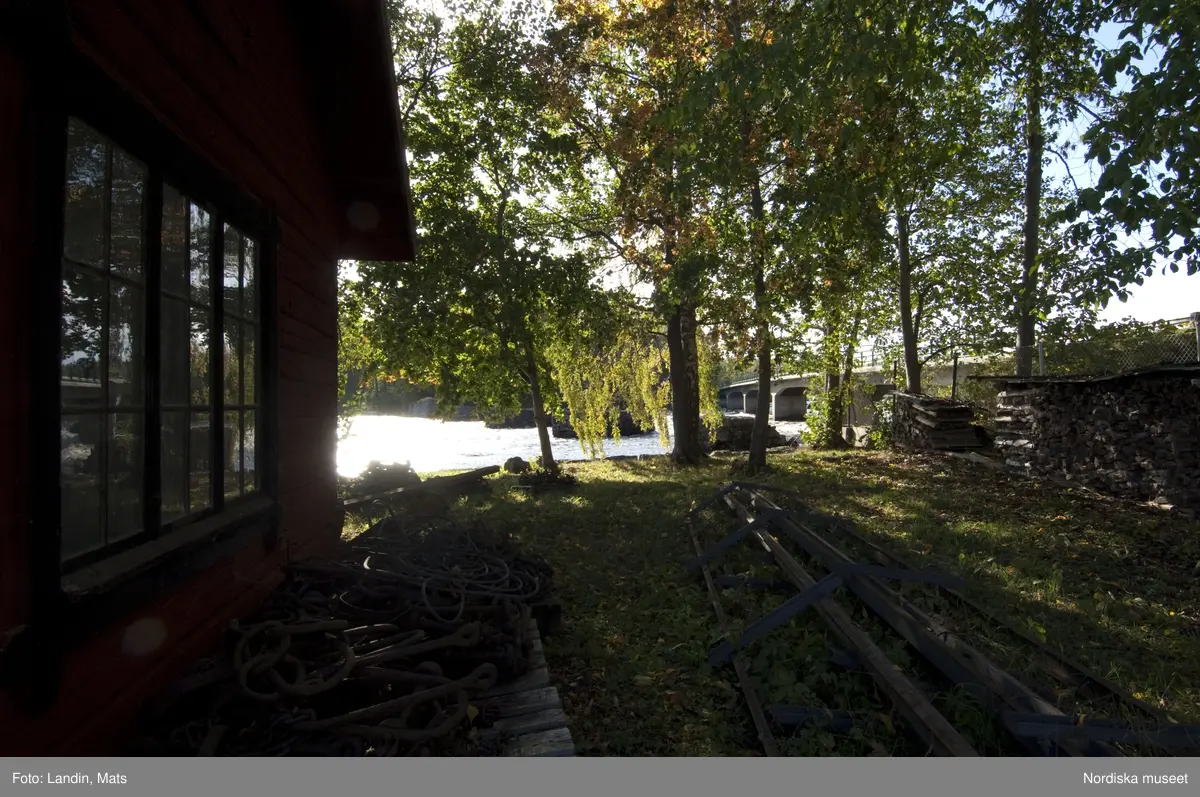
1107	581
360	518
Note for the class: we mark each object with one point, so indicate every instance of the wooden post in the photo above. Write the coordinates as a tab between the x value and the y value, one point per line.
1041	358
954	378
1196	324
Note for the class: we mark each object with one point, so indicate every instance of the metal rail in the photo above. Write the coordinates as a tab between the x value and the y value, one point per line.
1066	669
1040	727
925	719
739	664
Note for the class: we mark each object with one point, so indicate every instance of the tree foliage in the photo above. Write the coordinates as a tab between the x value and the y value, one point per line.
1148	143
475	314
783	184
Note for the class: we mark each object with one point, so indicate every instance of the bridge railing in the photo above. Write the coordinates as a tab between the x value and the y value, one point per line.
872	357
740	376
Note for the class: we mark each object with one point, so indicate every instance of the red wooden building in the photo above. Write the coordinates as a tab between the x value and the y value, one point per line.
178	179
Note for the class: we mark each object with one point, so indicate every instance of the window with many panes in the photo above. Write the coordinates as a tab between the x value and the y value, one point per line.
151	438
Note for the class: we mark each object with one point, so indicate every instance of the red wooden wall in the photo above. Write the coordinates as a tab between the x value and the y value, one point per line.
17	177
227	77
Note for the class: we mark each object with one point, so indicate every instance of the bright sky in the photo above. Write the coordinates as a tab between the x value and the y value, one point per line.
1162	296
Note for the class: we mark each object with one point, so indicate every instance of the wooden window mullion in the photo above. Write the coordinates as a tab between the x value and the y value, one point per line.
105	321
216	464
242	346
152	359
187	358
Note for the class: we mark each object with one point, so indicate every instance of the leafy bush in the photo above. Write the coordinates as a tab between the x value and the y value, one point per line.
879	435
819	431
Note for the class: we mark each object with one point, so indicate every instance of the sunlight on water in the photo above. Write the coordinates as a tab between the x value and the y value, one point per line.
430	445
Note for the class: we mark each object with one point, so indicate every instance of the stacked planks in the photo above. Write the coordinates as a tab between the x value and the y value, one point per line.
932	423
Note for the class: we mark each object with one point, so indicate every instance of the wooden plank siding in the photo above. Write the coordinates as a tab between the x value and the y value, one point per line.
229	79
235	70
17	180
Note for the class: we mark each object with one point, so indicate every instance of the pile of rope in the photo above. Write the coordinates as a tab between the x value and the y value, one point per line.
381	652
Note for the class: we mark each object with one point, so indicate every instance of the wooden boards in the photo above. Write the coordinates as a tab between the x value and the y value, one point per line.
927	422
530	721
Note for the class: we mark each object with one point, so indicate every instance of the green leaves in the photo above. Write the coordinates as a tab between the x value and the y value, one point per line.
487	284
752	160
1147	143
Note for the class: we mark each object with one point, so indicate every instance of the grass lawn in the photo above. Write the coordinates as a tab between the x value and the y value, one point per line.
1109	582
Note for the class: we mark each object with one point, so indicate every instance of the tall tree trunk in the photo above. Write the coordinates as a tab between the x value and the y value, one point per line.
540	418
762	413
1036	142
912	363
762	328
353	385
835	392
685	385
833	411
847	387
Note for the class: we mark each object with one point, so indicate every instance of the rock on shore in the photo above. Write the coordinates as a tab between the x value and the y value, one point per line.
735	433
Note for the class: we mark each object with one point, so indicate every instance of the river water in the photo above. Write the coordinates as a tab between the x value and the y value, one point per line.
432	445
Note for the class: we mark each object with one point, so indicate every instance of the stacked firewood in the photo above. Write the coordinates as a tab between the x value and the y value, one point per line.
1136	437
1015	424
933	423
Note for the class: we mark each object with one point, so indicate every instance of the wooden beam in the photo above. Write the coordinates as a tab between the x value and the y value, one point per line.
925	719
957	660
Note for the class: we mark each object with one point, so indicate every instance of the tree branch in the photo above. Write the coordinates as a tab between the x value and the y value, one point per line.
933	353
1066	165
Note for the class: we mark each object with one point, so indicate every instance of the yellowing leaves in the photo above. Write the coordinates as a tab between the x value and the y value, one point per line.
578	9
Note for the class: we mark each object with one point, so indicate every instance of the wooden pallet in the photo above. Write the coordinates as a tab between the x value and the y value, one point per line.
530	721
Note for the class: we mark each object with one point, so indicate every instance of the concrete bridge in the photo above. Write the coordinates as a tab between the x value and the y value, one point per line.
789	392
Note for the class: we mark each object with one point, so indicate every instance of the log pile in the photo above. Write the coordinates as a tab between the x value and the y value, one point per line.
1014	425
1136	436
933	423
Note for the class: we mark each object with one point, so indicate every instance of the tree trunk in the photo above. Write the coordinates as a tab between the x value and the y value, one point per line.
846	391
762	413
1027	296
835	392
685	385
833	410
912	363
540	418
352	388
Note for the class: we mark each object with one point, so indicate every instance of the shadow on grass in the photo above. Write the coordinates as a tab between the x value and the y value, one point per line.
1105	581
630	658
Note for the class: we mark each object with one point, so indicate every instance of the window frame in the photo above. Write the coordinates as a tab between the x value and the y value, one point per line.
134	570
